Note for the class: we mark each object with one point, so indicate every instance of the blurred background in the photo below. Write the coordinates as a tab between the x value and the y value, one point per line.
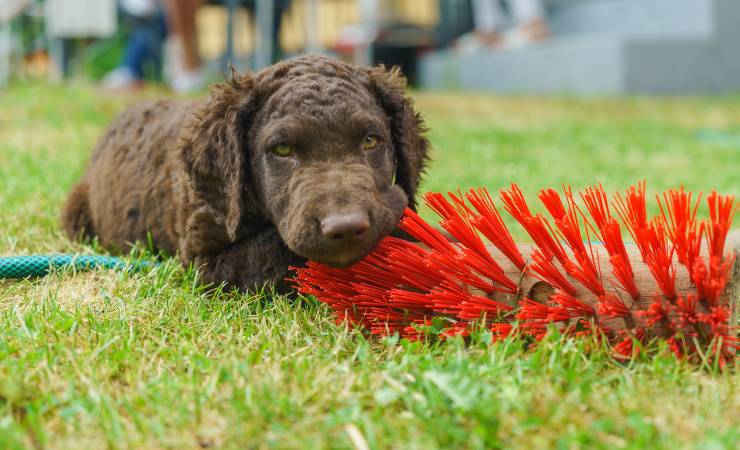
505	46
538	92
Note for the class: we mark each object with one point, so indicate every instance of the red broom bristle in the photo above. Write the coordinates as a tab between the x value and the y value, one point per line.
545	270
554	205
412	270
626	348
532	318
558	314
491	225
632	210
502	330
699	274
447	300
576	241
597	205
515	202
624	276
711	281
401	286
446	259
462	208
573	306
405	299
414	331
611	306
656	314
487	266
721	212
414	225
551	199
459	269
532	310
439	204
544	236
585	270
457	329
584	275
656	254
723	351
683	230
536	226
449	296
475	253
686	312
674	344
588	328
718	320
535	316
474	306
710	278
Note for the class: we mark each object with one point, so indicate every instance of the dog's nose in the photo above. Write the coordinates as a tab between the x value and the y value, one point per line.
345	227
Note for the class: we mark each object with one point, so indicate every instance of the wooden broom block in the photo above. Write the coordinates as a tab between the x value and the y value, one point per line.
538	290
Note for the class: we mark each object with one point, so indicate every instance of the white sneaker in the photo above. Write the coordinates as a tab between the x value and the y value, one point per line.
472	43
119	79
185	82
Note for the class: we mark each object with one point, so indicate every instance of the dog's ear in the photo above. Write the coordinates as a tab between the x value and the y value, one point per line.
407	128
215	153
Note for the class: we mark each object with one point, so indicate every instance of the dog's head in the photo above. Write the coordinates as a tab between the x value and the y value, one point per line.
328	153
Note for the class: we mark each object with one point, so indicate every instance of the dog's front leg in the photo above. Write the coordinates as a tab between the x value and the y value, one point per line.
261	260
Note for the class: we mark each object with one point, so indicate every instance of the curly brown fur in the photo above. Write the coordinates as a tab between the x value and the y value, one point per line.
212	181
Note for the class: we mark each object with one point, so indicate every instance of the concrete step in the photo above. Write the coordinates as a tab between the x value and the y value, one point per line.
589	64
633	17
701	56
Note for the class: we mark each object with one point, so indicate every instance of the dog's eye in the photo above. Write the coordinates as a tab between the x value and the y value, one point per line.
370	142
282	150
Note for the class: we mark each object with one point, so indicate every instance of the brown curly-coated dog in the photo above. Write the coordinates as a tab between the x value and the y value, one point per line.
309	158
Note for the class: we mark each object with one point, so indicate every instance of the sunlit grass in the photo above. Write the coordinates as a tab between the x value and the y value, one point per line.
149	360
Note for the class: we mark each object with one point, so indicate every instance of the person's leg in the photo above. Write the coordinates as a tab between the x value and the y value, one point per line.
187	73
488	16
455	19
135	53
157	38
145	44
181	18
529	19
130	71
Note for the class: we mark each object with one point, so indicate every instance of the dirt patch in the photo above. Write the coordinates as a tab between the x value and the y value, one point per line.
69	291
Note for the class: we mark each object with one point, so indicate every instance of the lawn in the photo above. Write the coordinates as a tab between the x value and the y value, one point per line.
149	360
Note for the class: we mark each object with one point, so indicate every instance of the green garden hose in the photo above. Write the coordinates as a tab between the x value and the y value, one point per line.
40	265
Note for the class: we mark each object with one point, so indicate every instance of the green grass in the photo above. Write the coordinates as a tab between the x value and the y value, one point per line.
148	360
